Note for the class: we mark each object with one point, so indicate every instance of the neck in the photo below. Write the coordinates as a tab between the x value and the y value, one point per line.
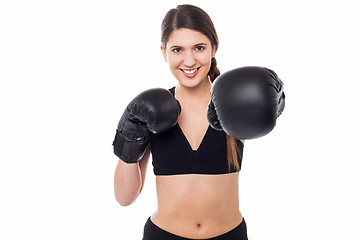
197	93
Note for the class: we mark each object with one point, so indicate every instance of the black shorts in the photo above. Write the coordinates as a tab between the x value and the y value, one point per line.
153	232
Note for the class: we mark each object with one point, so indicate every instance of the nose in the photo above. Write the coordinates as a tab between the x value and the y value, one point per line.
189	59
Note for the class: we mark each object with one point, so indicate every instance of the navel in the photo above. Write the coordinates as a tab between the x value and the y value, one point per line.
198	225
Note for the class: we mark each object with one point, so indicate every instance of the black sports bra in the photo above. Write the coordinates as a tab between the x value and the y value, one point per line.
172	153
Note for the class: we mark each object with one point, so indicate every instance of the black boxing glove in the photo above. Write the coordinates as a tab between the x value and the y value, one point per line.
246	102
152	111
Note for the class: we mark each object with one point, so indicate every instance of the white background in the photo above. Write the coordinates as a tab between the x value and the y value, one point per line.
69	68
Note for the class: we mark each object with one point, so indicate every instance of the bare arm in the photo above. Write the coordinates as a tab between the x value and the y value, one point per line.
129	179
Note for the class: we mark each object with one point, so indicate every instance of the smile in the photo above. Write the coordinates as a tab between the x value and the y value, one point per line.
190	73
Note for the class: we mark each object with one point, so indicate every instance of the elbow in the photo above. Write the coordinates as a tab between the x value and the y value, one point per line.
126	199
124	202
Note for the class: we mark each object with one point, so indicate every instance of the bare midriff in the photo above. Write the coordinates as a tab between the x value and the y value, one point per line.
197	206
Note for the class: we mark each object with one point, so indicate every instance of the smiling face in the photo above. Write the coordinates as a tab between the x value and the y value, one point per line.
189	55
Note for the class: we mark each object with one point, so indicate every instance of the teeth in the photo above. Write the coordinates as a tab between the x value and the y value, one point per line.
190	72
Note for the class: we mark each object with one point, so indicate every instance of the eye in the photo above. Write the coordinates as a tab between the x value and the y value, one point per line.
199	48
176	50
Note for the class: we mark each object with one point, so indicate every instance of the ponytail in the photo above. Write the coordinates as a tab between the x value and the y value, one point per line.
214	72
233	152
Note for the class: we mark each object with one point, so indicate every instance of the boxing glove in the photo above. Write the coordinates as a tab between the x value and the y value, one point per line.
152	111
246	102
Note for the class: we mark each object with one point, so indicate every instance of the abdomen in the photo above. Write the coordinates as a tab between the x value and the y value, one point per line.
197	206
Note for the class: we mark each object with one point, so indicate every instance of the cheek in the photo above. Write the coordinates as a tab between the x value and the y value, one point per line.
174	62
205	60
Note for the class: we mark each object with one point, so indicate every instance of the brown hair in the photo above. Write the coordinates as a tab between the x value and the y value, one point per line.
192	17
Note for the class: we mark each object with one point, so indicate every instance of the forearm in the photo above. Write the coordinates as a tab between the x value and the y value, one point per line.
127	182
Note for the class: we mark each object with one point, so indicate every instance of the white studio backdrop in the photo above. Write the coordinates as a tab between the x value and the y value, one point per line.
69	68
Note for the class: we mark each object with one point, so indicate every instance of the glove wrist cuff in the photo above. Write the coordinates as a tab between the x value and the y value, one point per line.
130	151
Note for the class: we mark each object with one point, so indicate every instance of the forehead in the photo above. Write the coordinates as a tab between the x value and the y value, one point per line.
186	37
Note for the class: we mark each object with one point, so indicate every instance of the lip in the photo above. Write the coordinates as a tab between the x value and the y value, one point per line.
190	75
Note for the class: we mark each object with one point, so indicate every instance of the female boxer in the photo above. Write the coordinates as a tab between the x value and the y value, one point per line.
196	166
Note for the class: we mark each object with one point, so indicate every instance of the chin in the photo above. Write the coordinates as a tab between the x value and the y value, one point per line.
191	83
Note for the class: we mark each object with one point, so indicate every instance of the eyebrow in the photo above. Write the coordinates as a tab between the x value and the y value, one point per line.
198	44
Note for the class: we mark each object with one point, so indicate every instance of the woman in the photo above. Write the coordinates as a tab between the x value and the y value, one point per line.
196	167
194	203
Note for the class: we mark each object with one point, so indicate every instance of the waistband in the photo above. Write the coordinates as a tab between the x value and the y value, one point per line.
153	232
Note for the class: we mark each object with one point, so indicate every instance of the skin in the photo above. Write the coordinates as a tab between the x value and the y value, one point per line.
194	206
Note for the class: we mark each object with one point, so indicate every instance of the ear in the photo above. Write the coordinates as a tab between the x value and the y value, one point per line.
213	53
163	52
